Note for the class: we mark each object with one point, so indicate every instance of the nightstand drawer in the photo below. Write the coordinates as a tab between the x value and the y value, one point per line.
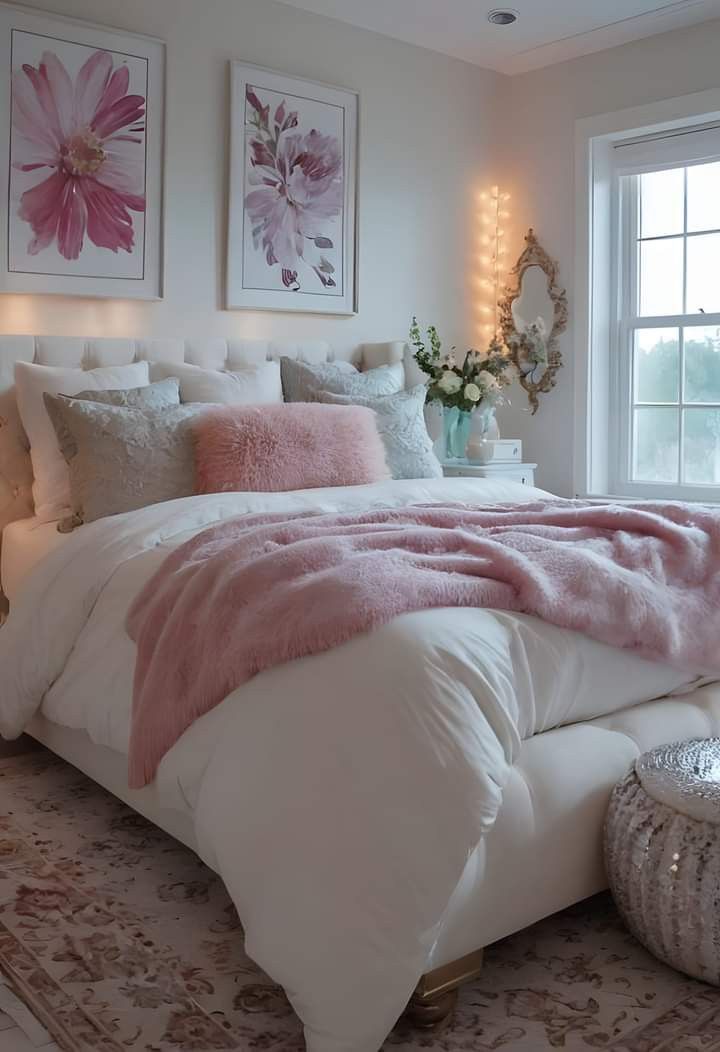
523	473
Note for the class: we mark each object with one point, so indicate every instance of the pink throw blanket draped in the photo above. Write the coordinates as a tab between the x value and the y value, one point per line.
259	590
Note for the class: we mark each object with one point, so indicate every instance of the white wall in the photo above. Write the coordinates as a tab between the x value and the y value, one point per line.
539	114
427	128
435	132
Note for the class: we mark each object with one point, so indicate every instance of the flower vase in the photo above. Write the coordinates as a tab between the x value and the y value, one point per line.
485	415
481	445
456	431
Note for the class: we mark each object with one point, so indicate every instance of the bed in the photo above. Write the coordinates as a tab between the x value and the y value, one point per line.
25	542
403	842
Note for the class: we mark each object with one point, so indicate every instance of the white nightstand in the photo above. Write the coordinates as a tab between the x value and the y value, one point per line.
498	469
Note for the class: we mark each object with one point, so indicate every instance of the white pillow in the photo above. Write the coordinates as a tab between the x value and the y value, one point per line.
51	486
257	385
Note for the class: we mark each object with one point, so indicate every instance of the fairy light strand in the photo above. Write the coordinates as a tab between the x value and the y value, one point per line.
493	217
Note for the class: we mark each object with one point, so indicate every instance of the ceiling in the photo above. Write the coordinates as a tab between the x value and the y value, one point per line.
546	31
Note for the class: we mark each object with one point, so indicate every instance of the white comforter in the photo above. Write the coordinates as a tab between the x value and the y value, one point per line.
339	796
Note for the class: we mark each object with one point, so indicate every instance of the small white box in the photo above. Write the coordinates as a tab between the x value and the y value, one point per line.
507	449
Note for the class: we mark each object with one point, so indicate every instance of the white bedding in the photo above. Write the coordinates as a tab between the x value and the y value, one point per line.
24	544
339	796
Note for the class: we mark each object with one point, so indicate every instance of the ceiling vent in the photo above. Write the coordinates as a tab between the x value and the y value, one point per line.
502	17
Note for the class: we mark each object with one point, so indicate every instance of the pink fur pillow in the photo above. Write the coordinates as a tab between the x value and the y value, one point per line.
286	447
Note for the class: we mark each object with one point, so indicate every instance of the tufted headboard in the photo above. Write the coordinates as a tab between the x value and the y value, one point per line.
15	467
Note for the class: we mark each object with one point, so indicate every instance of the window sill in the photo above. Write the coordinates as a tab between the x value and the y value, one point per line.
604	498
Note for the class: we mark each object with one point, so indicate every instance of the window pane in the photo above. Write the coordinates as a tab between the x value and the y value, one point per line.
657	365
703	189
661	277
703	273
662	204
702	364
701	448
655	453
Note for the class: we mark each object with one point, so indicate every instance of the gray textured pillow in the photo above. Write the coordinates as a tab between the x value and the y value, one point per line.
120	458
153	396
401	424
303	382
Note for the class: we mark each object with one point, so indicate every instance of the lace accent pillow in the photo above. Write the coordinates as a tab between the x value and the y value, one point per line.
303	382
154	396
120	459
401	424
159	395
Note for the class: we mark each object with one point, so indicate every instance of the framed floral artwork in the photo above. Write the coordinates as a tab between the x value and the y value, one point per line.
81	158
293	173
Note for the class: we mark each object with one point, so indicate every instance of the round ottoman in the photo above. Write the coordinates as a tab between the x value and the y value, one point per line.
662	852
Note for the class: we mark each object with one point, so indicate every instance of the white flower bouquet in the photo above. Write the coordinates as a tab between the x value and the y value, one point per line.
477	383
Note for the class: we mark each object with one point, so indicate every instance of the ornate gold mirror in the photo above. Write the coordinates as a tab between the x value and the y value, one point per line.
532	315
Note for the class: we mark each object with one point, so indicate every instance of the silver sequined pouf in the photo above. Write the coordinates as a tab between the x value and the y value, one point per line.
662	852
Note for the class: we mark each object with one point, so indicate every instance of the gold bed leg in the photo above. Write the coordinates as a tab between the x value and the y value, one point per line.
427	1013
436	994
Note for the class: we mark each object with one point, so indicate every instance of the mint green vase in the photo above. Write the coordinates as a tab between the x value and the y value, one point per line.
456	431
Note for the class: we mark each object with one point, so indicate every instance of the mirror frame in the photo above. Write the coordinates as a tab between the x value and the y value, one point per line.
534	255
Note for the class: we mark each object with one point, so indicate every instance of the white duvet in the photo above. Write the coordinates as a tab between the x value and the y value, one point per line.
339	796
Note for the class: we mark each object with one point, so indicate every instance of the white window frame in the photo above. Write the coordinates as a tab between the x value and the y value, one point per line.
625	264
606	283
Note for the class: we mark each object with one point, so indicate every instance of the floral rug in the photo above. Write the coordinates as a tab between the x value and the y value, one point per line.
118	938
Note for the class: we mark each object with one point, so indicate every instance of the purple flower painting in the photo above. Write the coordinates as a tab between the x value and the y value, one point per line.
298	190
85	137
292	194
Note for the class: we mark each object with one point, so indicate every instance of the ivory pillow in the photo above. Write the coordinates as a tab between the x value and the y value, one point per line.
303	382
51	486
257	385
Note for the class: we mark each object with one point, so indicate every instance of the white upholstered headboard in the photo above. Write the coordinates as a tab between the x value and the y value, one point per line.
76	353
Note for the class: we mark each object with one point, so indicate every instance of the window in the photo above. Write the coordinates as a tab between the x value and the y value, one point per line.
669	331
653	372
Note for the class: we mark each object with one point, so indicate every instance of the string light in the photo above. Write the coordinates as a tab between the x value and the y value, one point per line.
493	217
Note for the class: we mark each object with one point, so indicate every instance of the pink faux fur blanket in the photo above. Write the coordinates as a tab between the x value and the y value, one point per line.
259	590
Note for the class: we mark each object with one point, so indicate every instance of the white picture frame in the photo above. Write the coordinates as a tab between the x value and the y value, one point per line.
291	137
81	175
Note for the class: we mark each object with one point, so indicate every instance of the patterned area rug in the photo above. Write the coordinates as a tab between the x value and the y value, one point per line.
118	938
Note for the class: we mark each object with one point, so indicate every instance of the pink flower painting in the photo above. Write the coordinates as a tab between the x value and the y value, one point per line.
85	139
297	192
